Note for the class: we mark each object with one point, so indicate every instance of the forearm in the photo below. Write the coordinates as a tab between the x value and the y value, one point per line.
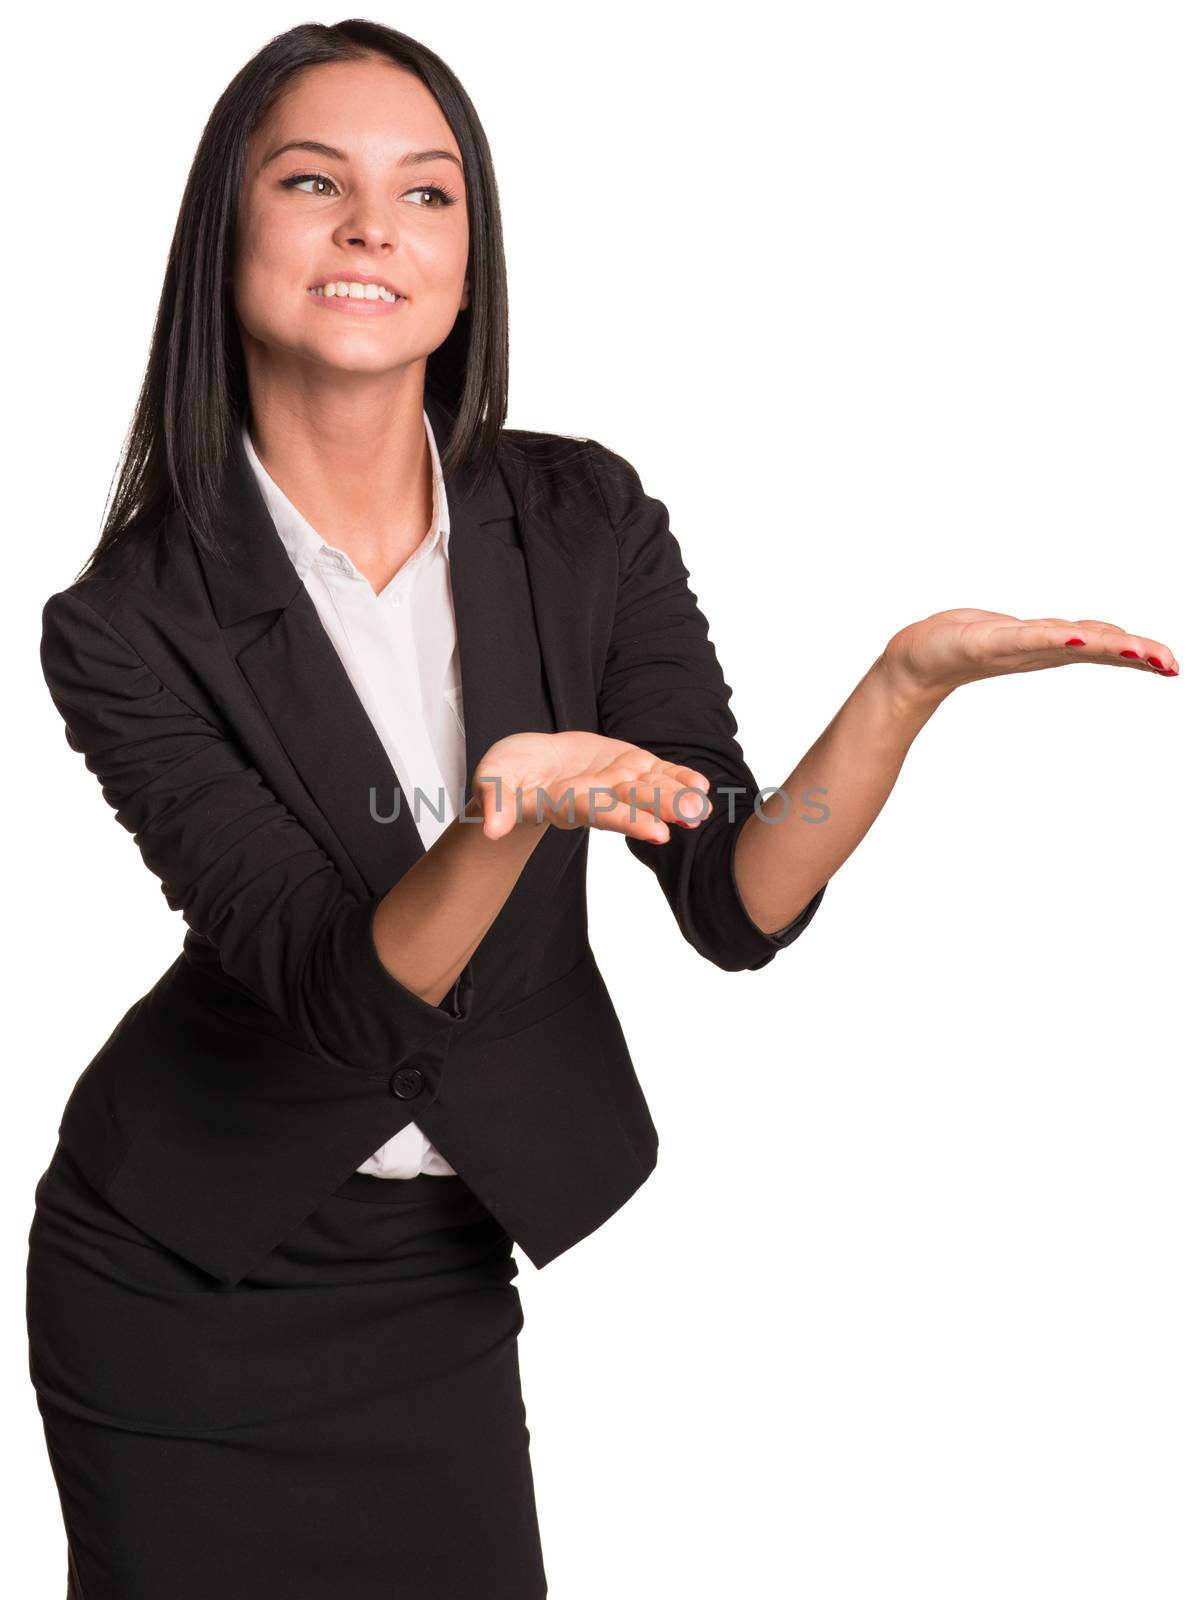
428	926
785	854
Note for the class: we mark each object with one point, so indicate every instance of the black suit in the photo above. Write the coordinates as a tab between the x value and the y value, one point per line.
277	1053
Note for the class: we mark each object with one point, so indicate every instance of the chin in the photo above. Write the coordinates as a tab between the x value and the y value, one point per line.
357	356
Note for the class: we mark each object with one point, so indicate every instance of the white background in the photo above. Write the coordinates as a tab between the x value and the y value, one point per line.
889	305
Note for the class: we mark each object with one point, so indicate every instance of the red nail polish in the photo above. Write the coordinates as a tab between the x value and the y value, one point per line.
1076	641
1154	661
1132	653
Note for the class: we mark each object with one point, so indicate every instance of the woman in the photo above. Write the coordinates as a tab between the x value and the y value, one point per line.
359	669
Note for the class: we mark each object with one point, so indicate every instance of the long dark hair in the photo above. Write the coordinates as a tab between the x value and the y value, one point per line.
194	391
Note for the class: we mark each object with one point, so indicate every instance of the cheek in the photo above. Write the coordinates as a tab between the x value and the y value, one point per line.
255	306
264	250
461	243
439	254
267	268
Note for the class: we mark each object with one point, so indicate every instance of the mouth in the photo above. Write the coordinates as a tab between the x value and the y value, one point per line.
355	286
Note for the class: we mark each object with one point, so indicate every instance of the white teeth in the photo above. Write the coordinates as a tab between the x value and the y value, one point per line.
353	290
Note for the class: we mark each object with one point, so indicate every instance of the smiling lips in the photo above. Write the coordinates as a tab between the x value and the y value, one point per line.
358	293
354	289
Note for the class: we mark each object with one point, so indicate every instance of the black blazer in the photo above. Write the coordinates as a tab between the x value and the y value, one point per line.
277	1052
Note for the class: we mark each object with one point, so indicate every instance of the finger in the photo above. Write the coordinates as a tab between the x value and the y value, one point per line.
1042	635
670	791
507	797
1107	639
691	777
609	814
1082	622
670	798
498	817
589	800
1102	642
637	763
1151	655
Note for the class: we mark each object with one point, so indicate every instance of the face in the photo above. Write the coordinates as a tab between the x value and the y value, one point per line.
379	200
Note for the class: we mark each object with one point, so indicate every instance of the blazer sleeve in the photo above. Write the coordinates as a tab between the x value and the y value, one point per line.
663	689
231	857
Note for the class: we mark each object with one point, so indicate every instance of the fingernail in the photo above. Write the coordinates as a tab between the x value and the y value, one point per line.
1076	641
1132	653
1154	661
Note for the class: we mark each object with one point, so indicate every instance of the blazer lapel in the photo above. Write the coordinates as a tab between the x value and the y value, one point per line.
562	560
301	685
296	674
499	661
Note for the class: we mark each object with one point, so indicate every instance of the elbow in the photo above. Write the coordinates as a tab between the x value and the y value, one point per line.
349	1009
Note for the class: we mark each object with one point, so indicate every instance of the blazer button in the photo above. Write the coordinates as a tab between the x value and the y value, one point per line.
406	1083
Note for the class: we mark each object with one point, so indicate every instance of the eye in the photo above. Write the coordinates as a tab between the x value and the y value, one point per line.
446	198
324	186
309	177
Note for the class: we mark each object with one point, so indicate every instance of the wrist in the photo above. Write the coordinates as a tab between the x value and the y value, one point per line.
905	703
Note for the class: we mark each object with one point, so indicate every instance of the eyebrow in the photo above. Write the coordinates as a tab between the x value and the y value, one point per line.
412	158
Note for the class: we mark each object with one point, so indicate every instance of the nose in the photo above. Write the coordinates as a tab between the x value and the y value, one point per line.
370	226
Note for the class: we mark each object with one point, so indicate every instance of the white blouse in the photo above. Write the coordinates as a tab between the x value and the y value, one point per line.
400	650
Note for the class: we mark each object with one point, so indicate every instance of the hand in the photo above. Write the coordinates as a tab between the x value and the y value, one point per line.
563	780
932	657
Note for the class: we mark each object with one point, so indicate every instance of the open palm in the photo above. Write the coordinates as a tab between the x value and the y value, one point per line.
584	780
949	648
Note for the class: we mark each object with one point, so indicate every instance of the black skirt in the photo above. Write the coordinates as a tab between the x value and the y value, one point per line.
346	1420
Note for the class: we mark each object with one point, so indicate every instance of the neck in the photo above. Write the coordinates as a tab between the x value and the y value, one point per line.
354	459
